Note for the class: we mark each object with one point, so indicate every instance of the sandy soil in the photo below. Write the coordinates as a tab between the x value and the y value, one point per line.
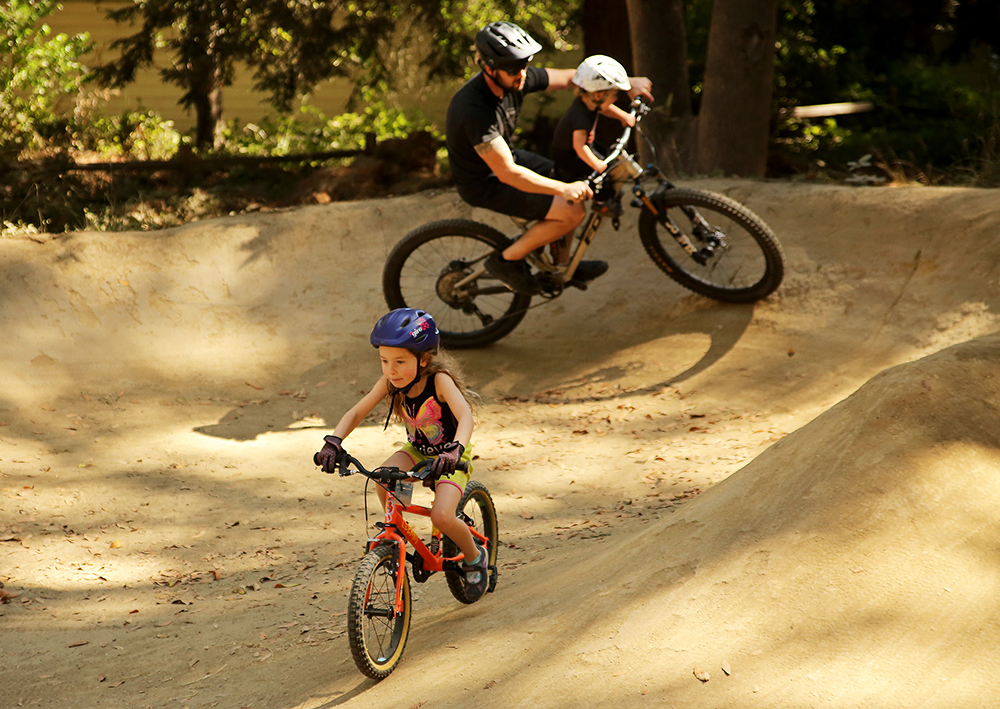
796	499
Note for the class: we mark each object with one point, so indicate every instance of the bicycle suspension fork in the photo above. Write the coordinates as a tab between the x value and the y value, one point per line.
642	199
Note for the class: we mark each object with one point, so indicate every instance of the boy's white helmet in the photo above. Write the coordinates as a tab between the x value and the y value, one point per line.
600	73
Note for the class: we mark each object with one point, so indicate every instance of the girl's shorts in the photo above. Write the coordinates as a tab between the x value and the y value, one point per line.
459	478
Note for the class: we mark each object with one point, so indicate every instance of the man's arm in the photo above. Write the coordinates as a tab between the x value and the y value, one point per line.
559	78
496	154
638	85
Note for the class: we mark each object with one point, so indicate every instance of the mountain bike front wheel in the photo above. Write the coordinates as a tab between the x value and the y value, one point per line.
376	632
476	509
438	267
721	248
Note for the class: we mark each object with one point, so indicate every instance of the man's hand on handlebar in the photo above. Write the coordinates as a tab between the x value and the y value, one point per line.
640	86
578	191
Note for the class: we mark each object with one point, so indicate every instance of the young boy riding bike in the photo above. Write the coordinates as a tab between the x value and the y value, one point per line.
597	82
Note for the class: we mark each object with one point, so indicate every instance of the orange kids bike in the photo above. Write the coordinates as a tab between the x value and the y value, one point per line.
379	608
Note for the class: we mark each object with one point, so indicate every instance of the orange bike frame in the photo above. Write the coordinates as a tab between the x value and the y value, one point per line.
394	521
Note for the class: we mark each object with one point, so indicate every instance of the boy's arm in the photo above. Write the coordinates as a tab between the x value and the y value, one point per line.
613	111
449	391
357	414
586	154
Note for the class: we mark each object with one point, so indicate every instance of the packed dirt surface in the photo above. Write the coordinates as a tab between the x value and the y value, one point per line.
790	504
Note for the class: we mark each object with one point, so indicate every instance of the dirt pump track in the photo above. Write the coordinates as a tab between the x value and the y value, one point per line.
787	504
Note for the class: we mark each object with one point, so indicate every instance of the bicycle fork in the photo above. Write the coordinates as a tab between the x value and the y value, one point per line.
699	256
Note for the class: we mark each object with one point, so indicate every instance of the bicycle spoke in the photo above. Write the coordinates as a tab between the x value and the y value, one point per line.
438	267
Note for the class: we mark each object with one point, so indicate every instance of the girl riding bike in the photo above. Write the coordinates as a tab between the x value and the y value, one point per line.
424	391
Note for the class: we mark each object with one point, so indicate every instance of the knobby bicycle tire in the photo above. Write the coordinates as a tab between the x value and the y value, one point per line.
377	634
742	259
477	505
422	271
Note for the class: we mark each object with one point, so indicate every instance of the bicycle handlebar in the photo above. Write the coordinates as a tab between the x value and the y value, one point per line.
639	109
420	470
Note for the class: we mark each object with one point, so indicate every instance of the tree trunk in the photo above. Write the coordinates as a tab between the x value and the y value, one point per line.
207	101
659	51
207	78
606	31
735	118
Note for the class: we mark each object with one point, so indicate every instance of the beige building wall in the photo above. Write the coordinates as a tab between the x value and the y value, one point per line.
149	92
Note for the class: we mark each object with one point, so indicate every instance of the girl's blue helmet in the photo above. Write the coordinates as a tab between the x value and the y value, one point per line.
408	328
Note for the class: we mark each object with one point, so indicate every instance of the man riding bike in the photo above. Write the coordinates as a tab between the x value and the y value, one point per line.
488	173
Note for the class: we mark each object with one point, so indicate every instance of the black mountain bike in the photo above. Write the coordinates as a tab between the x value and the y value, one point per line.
705	241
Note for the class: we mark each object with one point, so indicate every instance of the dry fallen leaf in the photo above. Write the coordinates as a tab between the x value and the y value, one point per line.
701	674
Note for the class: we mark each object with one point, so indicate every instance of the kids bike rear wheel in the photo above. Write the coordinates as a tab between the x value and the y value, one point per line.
376	632
477	510
734	255
438	267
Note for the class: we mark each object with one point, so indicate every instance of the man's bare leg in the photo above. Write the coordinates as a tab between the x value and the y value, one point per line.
561	219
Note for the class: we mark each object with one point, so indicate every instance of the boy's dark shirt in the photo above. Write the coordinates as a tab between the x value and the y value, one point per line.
569	165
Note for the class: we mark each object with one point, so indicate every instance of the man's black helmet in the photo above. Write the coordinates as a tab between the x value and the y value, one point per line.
504	45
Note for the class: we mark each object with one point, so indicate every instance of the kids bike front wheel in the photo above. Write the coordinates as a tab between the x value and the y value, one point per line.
476	510
377	632
712	245
438	267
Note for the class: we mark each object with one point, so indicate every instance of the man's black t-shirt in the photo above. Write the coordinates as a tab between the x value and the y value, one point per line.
477	116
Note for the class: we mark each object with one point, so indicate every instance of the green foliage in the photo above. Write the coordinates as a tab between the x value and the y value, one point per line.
291	46
139	135
308	130
38	70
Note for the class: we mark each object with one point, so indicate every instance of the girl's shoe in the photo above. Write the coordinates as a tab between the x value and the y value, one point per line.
476	574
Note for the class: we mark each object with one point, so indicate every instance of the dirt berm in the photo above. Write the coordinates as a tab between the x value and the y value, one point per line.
796	500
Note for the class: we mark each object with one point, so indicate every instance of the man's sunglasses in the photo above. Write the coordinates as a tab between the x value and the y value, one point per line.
513	68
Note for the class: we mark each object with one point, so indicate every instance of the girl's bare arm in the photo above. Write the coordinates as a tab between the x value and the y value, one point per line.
450	393
360	410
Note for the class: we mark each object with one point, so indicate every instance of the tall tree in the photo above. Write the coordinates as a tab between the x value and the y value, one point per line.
292	45
606	30
659	51
734	120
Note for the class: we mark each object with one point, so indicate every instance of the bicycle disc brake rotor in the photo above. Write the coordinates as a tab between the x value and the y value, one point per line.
447	289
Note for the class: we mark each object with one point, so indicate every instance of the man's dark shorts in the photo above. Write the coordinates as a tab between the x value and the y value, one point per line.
490	193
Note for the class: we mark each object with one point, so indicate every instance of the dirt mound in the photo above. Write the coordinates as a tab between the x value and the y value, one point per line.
793	497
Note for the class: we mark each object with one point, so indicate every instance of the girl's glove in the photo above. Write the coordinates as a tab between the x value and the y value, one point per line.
327	458
444	464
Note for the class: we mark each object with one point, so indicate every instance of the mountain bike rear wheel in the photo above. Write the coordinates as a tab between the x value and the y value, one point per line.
476	508
434	268
734	255
376	632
